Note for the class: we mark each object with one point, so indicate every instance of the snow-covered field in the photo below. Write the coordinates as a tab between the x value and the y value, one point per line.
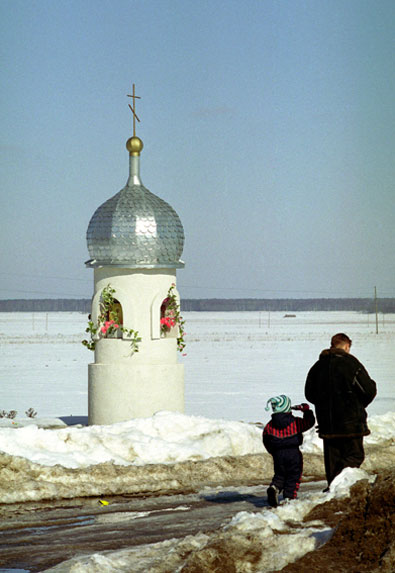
234	362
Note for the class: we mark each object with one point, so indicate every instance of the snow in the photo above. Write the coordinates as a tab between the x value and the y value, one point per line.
235	360
234	363
165	438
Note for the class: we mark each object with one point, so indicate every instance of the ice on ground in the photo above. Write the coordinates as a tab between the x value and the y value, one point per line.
276	536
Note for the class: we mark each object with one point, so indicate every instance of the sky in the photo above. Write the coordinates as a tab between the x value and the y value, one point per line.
268	125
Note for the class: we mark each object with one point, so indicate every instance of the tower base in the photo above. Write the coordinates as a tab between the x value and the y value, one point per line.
118	393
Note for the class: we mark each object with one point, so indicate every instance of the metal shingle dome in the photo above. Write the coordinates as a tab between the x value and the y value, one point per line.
135	228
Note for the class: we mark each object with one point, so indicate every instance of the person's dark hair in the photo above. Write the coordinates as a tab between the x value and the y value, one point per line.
339	339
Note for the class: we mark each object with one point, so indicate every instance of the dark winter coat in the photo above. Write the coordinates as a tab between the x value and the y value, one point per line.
340	389
285	431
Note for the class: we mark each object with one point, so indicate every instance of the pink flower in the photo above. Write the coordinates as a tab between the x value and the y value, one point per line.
103	329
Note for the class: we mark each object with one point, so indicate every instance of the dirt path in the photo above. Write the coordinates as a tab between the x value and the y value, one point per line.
35	536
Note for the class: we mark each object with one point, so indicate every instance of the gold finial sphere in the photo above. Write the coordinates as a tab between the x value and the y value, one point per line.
134	145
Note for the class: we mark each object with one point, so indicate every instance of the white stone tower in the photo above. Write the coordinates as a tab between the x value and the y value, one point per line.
135	241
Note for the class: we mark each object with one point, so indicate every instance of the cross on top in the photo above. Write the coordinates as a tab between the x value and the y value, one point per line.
133	110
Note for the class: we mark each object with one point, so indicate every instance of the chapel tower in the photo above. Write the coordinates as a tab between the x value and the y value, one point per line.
135	241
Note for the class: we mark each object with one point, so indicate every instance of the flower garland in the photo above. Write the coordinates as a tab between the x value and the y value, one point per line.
172	317
108	323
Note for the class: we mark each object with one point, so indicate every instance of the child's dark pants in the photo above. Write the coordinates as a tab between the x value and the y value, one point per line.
288	467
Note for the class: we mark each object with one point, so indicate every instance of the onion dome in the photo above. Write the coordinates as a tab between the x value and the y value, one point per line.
135	228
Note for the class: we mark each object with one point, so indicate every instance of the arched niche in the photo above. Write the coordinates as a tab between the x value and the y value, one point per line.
121	313
159	311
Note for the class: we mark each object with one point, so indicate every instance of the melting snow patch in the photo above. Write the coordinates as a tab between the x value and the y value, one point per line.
340	487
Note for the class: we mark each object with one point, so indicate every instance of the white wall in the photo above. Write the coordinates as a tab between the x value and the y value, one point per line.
125	384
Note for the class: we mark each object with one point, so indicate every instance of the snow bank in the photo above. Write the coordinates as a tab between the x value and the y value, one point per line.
382	428
166	437
167	452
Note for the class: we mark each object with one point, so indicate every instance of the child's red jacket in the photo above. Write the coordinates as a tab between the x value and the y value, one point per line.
285	430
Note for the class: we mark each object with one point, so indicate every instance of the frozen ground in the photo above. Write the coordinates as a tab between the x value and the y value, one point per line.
235	360
213	530
278	531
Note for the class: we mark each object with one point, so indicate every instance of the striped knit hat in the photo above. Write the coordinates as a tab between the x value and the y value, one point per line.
279	404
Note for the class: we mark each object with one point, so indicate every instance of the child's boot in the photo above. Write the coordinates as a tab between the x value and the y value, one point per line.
272	495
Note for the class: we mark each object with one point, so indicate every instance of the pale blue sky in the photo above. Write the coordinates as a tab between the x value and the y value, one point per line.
268	125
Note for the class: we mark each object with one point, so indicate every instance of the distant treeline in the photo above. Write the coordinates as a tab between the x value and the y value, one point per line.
289	304
46	305
213	304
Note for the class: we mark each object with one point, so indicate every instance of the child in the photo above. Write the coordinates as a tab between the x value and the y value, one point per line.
282	437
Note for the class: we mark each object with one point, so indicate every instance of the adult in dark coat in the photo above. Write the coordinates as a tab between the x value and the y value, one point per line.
340	388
